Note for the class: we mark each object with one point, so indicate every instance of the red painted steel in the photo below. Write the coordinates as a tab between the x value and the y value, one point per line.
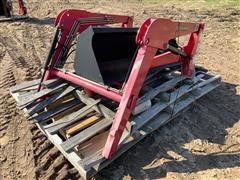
164	59
154	34
67	17
139	71
21	8
97	88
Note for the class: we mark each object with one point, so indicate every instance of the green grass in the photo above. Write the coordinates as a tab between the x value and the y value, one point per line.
210	4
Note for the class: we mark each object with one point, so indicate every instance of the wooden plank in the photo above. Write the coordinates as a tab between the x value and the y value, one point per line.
60	101
86	134
98	162
71	118
44	92
26	94
146	116
68	112
51	82
41	105
81	125
24	85
93	145
49	114
67	120
142	107
32	88
162	88
71	156
106	112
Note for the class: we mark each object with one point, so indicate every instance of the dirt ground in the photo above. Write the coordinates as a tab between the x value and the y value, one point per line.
204	143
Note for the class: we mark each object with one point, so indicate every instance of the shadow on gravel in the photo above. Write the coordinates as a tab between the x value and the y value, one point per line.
196	141
44	21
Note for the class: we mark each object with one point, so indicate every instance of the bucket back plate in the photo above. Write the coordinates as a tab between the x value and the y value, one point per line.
104	54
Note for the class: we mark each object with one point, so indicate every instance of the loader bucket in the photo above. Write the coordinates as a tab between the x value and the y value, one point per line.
104	55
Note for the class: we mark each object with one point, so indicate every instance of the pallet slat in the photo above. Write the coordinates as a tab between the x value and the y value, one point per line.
24	85
146	116
50	100
70	119
51	82
86	134
107	113
46	115
89	147
162	88
81	125
44	92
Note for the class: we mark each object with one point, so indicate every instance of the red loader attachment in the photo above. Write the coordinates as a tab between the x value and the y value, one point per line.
123	84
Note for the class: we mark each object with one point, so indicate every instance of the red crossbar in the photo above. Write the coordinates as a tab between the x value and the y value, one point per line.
80	81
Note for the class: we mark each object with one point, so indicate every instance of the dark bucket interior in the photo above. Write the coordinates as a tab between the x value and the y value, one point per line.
3	9
104	54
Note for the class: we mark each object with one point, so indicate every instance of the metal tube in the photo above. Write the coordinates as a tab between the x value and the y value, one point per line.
97	88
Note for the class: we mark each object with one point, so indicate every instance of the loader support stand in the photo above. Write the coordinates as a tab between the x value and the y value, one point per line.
21	8
190	49
140	69
151	37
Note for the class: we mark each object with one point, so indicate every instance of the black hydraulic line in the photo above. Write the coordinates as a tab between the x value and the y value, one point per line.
50	54
73	32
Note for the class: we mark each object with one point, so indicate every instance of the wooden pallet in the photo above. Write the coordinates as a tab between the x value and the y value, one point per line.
78	125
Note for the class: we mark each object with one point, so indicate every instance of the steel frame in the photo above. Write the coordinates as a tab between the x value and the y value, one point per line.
153	34
21	7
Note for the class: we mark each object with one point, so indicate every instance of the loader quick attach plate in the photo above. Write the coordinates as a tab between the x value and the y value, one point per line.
78	125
